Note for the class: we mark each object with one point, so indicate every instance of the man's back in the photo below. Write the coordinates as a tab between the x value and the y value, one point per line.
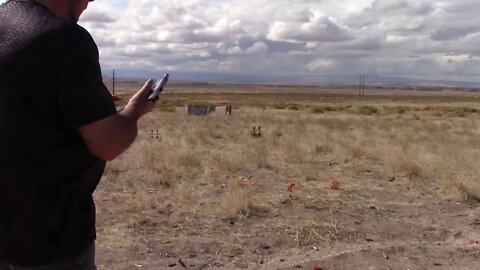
51	85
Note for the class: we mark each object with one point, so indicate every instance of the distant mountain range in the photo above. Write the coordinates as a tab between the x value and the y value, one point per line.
308	79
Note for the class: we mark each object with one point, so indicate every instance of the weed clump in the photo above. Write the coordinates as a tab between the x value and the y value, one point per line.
461	112
280	106
317	109
293	107
326	108
367	110
166	106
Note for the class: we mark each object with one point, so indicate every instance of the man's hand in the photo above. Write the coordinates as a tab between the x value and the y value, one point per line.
109	137
139	105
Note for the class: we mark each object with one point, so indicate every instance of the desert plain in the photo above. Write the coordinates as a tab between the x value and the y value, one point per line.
383	181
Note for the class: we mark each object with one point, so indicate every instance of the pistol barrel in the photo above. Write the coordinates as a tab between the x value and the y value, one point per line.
158	88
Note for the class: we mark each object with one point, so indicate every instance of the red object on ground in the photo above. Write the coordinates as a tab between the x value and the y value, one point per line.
317	268
291	185
473	241
335	185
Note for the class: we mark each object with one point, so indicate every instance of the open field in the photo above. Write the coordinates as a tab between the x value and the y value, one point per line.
389	180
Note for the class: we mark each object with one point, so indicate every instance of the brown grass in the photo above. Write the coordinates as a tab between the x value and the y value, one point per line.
410	142
196	169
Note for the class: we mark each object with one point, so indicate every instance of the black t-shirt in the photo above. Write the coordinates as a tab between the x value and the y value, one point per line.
50	85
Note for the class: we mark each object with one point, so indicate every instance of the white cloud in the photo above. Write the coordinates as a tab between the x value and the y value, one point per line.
318	28
258	47
390	37
388	5
395	38
321	64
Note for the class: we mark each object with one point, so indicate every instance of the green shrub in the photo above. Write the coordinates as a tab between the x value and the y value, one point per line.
317	109
327	108
165	106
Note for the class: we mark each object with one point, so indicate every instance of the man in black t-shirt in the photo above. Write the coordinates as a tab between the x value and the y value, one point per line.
58	127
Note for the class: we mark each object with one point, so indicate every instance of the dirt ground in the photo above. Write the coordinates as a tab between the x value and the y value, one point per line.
372	221
353	214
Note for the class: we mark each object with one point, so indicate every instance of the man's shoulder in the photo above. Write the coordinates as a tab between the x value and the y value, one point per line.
26	23
75	33
28	17
28	20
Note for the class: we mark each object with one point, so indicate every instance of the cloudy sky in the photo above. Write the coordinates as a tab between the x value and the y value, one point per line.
426	39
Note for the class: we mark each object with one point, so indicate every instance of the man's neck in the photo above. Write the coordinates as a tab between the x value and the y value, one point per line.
59	8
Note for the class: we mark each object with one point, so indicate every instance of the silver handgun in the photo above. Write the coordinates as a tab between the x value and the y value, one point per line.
155	92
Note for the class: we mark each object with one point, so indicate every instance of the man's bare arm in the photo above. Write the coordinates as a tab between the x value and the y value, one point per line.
107	138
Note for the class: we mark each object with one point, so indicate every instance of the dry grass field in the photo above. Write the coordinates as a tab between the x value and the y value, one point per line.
389	180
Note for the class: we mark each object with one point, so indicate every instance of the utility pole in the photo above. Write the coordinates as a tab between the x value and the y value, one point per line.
361	85
113	82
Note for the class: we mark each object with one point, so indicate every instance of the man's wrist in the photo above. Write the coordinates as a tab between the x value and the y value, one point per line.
130	112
